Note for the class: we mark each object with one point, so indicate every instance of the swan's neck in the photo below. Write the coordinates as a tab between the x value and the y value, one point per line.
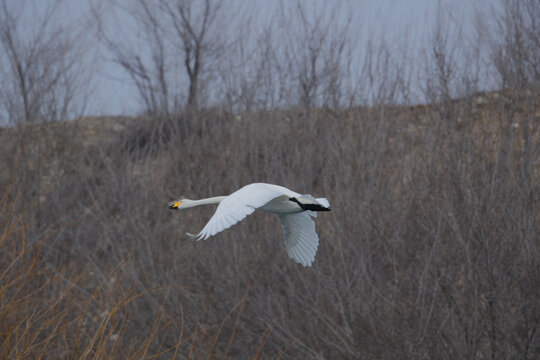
208	201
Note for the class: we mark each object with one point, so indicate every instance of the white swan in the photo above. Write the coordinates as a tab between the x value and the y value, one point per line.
294	211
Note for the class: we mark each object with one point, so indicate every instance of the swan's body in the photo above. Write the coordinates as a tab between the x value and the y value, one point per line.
293	209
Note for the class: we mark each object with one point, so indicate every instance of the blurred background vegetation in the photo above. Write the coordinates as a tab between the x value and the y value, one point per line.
431	162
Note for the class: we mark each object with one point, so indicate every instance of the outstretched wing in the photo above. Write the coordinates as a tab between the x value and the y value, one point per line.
301	240
240	204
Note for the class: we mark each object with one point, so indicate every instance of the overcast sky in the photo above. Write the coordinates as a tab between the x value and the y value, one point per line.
114	94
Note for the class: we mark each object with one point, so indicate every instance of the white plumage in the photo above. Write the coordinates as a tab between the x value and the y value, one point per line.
293	209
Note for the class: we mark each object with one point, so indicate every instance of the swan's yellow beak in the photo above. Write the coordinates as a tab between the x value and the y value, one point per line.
174	204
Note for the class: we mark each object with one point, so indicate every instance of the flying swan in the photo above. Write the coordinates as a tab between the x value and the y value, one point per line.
294	211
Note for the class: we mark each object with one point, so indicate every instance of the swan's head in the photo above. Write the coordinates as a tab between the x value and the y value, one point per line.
177	204
180	204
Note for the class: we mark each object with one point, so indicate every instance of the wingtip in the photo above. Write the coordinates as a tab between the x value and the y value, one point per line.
194	236
306	263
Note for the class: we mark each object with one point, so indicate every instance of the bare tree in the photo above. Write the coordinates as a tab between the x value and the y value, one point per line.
246	77
313	54
516	44
43	68
442	55
180	40
196	30
149	65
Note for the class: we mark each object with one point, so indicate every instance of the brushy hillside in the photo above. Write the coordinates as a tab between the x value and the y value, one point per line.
431	249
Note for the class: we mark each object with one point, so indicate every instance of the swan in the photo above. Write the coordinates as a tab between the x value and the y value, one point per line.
293	210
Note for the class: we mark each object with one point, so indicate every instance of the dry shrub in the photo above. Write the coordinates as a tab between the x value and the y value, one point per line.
431	249
82	308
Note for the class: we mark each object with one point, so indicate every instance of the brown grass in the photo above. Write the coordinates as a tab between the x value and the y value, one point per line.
431	247
67	312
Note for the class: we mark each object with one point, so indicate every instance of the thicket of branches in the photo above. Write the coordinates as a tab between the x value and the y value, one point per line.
432	246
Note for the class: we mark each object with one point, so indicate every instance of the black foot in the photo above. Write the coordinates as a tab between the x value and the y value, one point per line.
311	207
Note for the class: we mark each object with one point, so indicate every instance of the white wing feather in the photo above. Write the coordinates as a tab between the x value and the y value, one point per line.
301	240
324	202
240	204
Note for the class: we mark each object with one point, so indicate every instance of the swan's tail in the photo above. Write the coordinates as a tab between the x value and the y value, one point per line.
308	202
324	202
